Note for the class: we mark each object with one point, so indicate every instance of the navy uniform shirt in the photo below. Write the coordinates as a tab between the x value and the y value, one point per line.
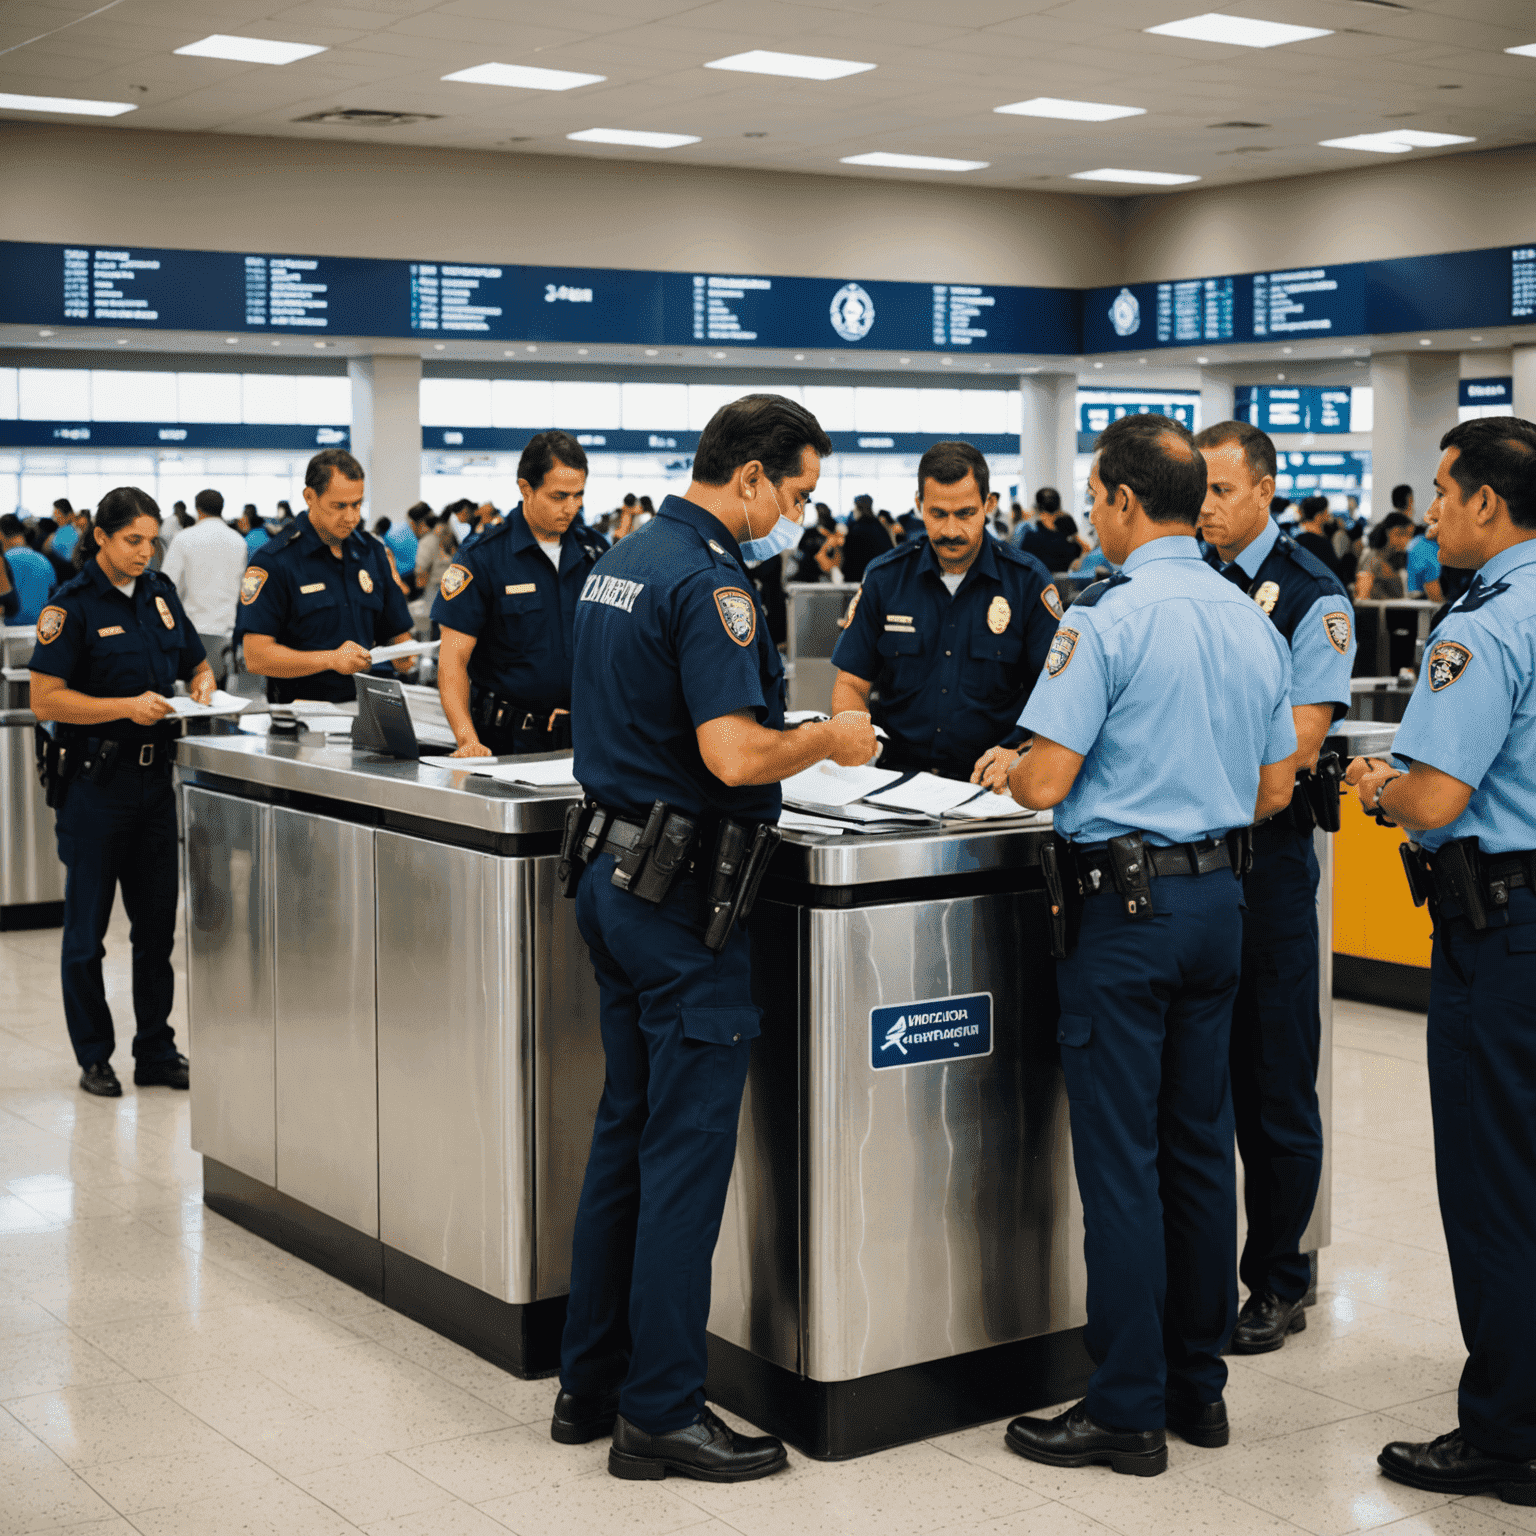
669	635
1174	688
505	593
953	672
1473	710
1307	603
111	646
299	593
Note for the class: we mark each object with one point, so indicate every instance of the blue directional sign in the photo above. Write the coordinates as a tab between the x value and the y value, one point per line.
933	1030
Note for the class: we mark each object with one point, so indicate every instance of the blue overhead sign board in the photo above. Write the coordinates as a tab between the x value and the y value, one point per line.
1494	391
169	434
616	440
1297	408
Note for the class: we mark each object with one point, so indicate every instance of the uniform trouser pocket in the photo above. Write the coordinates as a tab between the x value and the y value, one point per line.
717	1046
1074	1033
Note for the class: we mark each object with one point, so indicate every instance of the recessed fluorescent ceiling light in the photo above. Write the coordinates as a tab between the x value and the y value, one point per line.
633	136
523	77
248	50
1142	178
1244	31
13	103
915	162
1396	141
1073	111
799	66
1528	49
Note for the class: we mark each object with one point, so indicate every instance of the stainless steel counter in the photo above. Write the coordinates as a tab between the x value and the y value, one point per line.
31	876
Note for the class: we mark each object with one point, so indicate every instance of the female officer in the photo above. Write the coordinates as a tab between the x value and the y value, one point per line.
110	646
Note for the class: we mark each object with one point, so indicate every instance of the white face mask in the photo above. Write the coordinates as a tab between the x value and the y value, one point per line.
784	535
460	528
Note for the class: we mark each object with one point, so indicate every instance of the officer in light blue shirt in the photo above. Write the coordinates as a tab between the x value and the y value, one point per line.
1162	726
1468	800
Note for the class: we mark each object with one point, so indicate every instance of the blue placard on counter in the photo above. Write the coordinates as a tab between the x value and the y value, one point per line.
935	1029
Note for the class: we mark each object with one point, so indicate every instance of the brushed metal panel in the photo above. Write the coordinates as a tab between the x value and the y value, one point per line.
327	1074
1319	1231
455	1049
30	870
230	1013
941	1207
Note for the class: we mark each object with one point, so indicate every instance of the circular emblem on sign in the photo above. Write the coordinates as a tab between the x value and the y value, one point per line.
1267	596
853	312
1125	313
365	581
998	615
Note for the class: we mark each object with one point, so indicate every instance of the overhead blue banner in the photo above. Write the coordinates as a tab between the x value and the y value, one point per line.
153	434
617	440
935	1029
1494	391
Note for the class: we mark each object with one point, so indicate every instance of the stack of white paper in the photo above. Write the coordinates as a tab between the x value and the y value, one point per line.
925	792
989	807
405	648
222	704
827	784
556	774
799	821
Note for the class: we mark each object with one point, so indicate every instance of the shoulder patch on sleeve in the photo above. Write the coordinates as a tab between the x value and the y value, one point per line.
738	613
1337	625
455	579
251	583
1052	600
50	625
1063	645
1447	661
847	618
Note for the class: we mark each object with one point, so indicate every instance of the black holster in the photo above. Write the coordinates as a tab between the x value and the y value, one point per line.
1132	874
1059	911
741	859
648	866
1319	790
586	825
1453	868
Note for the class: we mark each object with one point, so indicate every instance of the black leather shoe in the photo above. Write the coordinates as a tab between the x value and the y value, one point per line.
100	1079
1199	1423
1450	1465
710	1450
174	1072
1264	1322
579	1420
1072	1439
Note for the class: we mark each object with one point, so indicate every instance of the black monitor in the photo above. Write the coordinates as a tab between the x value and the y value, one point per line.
383	721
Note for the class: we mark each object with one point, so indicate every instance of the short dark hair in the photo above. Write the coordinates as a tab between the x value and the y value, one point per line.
317	474
1066	524
1389	524
1499	452
1402	495
1258	449
951	462
62	505
127	504
210	502
12	527
1047	499
542	452
419	513
630	500
1155	458
1313	506
772	429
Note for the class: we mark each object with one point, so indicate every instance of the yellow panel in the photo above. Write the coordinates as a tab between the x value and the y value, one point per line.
1373	914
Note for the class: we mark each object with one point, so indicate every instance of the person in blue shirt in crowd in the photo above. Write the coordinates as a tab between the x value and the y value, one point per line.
952	629
1468	802
67	535
29	576
250	525
1422	572
677	702
110	647
506	610
318	598
400	540
1276	1020
1162	725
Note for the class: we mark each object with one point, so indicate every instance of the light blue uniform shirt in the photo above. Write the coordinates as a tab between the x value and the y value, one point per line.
1473	713
1423	564
1175	688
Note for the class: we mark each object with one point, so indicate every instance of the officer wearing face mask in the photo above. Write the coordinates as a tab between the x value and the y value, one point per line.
677	709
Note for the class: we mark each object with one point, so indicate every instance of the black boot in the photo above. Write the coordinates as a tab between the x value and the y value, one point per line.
580	1419
100	1079
1199	1423
1265	1321
710	1450
173	1072
1451	1465
1072	1439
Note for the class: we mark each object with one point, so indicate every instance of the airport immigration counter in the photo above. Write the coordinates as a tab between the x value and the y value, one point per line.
397	1062
31	876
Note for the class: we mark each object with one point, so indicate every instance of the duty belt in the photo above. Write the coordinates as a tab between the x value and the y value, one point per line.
1460	876
1096	866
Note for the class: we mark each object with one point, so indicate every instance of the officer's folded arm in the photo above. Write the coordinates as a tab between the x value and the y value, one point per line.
1425	798
52	699
265	657
453	688
739	751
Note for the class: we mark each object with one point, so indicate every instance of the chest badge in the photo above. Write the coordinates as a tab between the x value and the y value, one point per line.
50	625
455	579
999	613
1063	644
166	616
717	549
1447	661
738	613
1052	600
1267	596
251	584
365	581
1337	625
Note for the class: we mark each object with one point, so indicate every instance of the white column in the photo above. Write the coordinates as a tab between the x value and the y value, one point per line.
1215	400
1525	382
386	431
1047	434
1415	401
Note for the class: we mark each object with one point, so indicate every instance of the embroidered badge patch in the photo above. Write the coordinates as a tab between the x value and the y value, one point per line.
455	579
847	618
738	613
166	616
1267	596
251	584
365	581
999	613
50	625
1052	600
1337	625
1063	644
1447	661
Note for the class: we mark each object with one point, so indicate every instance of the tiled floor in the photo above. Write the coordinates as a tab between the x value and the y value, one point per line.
162	1371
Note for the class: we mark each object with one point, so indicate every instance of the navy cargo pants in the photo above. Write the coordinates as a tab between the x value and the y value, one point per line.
1146	1009
677	1026
1482	1088
1276	1035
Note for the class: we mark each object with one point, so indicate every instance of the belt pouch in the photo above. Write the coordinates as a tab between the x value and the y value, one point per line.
1132	874
99	767
730	848
629	863
1454	867
667	856
578	818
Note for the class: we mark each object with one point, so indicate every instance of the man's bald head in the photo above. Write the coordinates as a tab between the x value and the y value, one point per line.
1156	460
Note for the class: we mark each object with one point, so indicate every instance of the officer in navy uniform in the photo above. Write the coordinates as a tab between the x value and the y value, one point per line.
319	596
110	646
1468	802
1162	729
952	627
1276	1020
516	591
678	718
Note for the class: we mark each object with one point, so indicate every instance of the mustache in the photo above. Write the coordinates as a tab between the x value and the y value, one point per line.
952	543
